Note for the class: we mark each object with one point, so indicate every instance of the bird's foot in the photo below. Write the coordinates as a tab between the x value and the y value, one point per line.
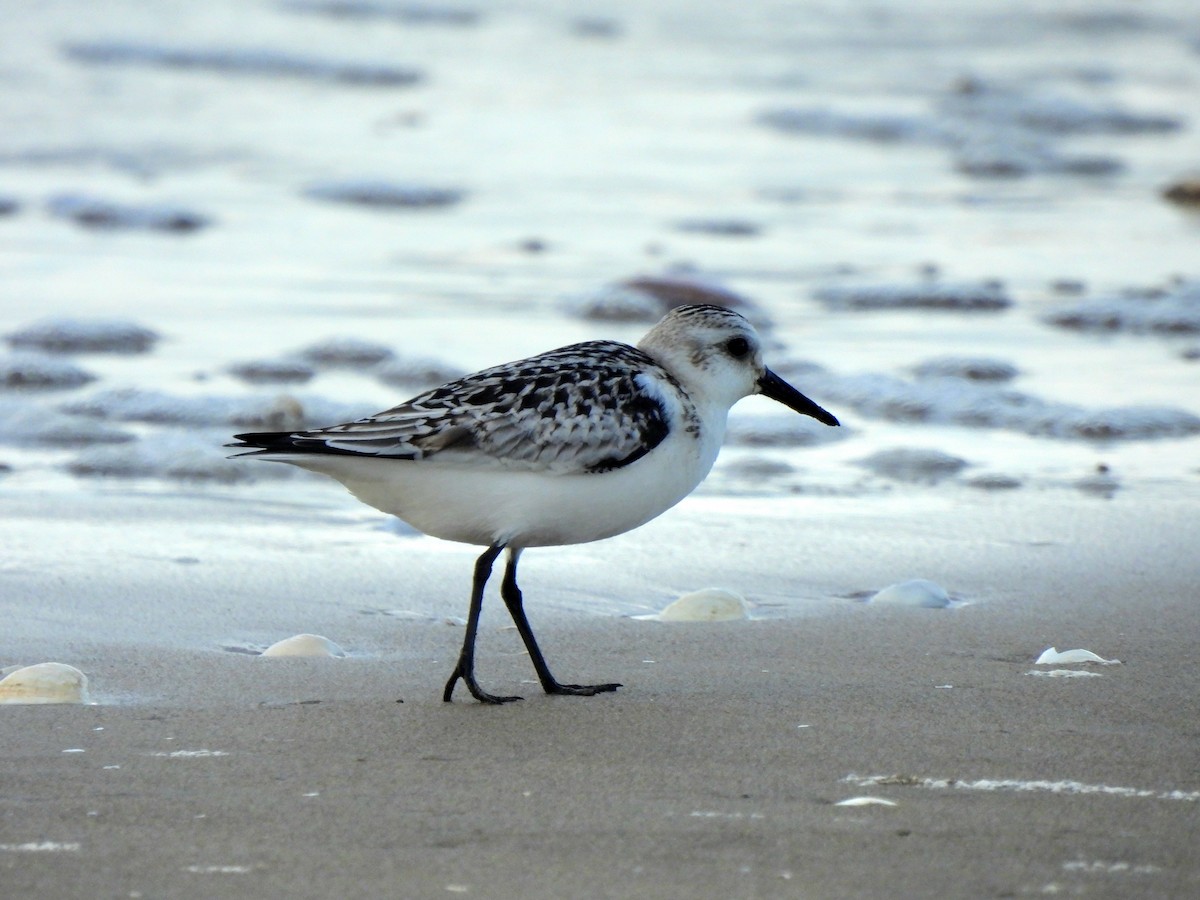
476	691
493	699
579	690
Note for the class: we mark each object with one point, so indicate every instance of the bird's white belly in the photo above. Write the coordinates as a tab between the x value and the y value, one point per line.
522	508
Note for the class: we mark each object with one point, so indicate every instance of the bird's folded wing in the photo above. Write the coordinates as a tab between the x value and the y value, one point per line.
589	407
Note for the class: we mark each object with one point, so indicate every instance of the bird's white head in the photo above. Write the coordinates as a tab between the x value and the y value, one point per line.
716	355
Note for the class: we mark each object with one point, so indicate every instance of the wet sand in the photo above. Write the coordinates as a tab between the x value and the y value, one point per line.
714	772
777	150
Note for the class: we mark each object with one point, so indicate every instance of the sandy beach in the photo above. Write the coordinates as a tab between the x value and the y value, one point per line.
716	771
967	230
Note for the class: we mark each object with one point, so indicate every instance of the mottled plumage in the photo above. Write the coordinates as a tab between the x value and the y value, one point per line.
569	446
589	407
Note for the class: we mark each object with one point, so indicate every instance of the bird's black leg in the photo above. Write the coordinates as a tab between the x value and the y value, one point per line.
466	660
516	608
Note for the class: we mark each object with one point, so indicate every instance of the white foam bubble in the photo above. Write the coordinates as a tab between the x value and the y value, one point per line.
189	754
1023	786
1107	867
41	847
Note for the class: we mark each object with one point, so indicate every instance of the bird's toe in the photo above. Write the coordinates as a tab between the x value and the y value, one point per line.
581	690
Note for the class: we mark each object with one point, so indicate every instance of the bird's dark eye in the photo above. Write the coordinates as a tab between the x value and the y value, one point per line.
737	347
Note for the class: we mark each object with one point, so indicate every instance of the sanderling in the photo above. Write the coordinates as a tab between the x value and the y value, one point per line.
570	446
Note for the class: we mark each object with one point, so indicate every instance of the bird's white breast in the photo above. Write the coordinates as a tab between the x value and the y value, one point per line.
528	509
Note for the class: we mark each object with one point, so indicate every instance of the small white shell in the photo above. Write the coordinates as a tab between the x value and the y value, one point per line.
918	592
865	801
305	645
705	605
1051	657
47	682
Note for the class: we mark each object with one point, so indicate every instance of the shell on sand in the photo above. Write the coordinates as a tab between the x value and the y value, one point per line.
865	801
1051	656
918	592
47	682
305	645
705	605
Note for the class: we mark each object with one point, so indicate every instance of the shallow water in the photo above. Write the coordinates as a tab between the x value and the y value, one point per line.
1006	143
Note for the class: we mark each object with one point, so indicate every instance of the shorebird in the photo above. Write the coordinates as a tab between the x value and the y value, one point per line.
570	446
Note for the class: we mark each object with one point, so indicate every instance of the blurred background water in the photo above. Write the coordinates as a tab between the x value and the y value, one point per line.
886	186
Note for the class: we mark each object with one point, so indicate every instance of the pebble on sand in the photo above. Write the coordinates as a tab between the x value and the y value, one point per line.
417	371
67	335
720	227
1185	192
984	296
968	368
273	371
415	13
383	194
913	464
35	371
647	298
346	353
242	61
98	212
1170	310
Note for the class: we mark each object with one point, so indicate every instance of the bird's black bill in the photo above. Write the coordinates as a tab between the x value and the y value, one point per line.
771	385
